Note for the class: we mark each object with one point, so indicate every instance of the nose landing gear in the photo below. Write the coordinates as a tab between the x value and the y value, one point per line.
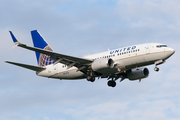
156	69
158	63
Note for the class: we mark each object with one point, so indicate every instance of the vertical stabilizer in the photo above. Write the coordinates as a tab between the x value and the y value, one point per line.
39	42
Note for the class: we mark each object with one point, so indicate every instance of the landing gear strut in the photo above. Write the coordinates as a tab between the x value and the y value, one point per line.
90	76
111	83
158	63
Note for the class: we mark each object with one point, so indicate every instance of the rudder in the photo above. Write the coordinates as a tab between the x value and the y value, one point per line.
39	42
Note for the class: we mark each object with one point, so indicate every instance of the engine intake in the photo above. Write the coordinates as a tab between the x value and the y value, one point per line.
101	64
140	73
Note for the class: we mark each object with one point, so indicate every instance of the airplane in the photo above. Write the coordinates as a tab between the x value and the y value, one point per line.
127	62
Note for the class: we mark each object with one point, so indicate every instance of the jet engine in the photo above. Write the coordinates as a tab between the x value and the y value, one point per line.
136	74
101	64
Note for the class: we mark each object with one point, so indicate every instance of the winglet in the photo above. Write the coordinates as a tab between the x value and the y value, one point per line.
14	39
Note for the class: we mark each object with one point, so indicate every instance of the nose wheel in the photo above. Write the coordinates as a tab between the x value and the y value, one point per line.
156	69
158	63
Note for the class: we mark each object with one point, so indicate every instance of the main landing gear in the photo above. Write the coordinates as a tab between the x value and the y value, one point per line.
114	77
91	78
111	83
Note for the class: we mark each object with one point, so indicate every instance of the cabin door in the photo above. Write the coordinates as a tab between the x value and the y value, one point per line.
148	49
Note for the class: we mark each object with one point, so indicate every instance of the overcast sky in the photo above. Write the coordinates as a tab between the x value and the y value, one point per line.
77	27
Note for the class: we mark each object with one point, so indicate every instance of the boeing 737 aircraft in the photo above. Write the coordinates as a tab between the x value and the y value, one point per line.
121	63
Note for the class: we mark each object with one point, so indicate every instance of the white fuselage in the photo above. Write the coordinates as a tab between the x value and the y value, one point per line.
124	59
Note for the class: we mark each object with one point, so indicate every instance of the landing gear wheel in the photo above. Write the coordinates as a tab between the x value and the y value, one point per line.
111	83
156	69
91	78
88	78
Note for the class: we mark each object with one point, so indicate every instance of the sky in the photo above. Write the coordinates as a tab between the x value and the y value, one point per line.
77	27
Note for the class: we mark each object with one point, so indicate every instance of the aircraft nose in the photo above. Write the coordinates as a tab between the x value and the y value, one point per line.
170	52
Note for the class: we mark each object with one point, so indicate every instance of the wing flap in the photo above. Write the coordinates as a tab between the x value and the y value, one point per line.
30	67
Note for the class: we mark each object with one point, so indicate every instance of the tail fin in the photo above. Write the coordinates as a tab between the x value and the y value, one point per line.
39	42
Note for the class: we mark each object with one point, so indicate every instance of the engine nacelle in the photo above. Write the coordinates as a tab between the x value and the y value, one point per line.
140	73
101	64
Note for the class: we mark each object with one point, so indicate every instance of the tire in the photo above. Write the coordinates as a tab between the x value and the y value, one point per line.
92	79
88	78
111	83
156	69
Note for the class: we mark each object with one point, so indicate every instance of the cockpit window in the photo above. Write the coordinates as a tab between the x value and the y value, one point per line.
159	46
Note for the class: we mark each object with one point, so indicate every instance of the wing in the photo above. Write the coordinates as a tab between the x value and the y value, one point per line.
56	56
31	67
80	63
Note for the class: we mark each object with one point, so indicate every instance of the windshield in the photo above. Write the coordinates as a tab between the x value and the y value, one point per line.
159	46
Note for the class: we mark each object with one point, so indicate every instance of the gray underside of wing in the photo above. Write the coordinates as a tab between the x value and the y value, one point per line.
30	67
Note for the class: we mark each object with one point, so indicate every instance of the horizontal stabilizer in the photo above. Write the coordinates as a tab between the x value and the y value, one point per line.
31	67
